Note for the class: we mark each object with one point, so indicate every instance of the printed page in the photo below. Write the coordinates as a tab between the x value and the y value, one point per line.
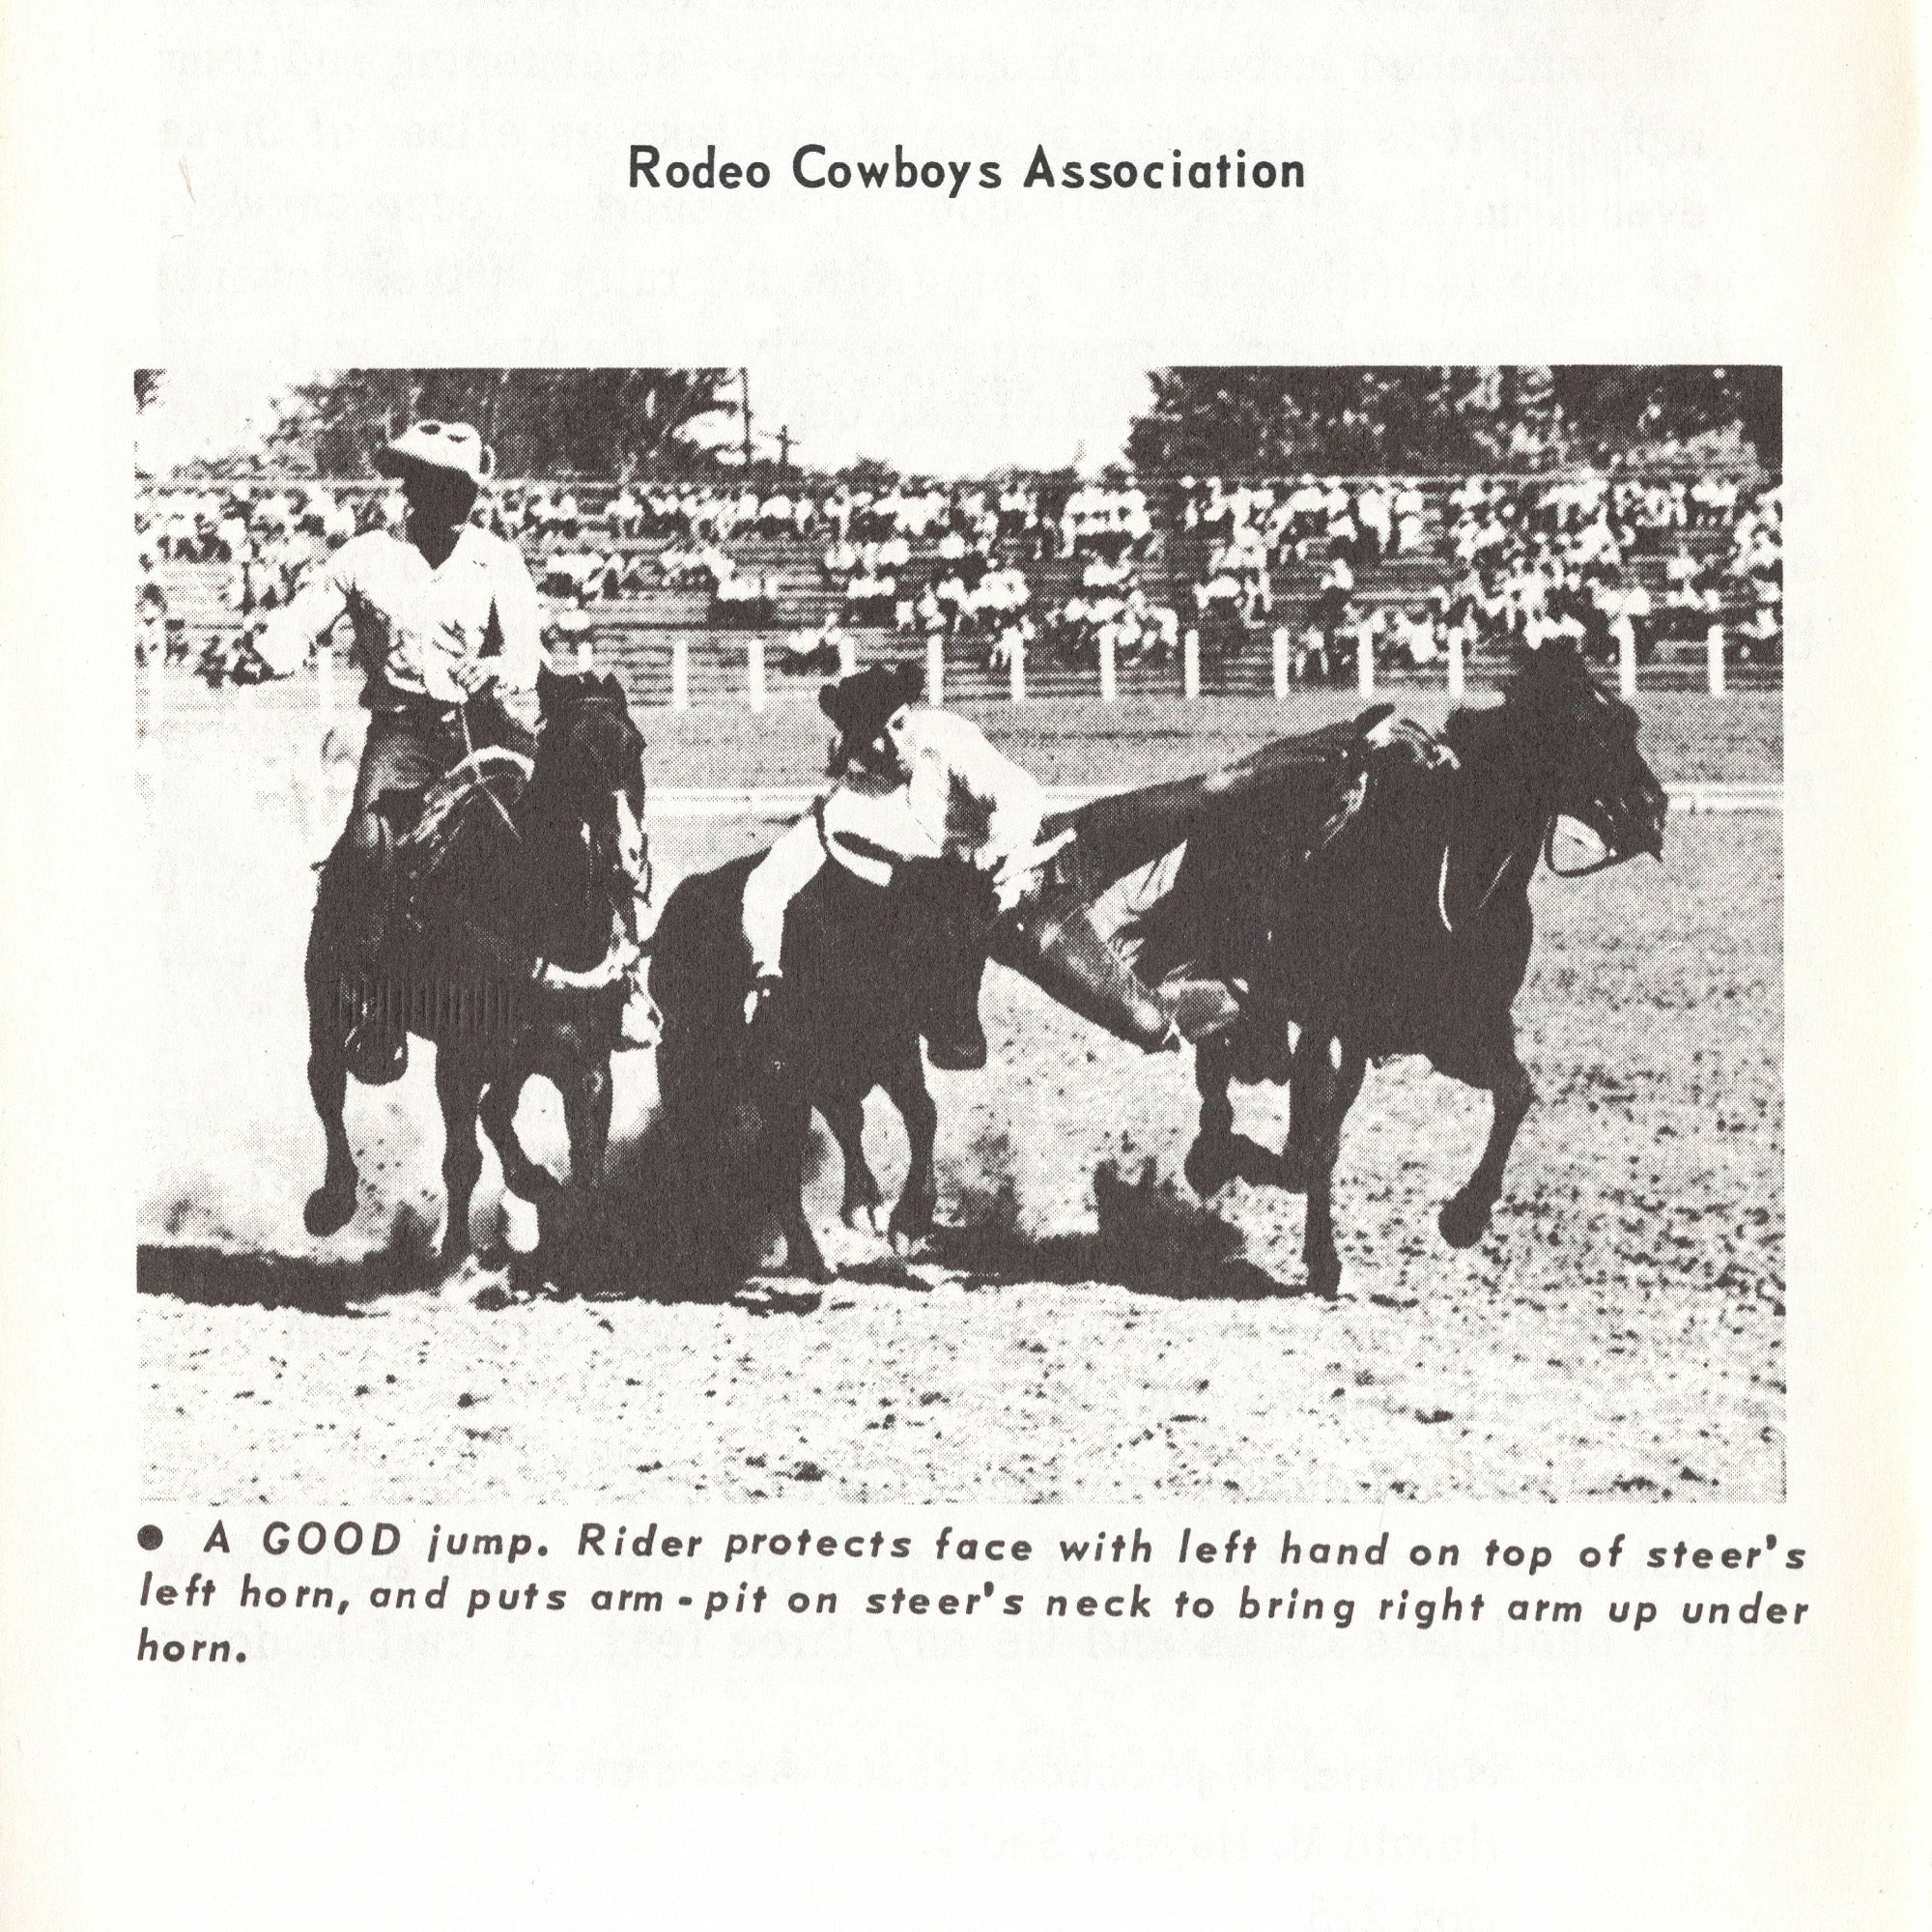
961	966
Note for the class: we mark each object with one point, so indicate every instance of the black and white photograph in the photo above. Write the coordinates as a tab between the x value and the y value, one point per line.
1150	933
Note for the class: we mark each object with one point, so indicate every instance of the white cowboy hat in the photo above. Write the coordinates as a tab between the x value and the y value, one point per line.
451	447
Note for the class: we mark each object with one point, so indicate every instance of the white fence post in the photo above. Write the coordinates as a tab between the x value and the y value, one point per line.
1108	691
1017	667
848	653
935	669
1190	665
680	671
1713	659
1627	660
1456	661
755	670
1280	663
1364	663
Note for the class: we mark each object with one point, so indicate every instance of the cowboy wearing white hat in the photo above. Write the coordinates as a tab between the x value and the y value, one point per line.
446	617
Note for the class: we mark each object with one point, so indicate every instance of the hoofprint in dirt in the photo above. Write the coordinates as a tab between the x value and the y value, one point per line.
1091	1333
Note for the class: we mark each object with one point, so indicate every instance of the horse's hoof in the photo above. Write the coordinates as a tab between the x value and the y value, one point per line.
1209	1165
523	1228
1325	1277
328	1209
1463	1222
815	1269
862	1217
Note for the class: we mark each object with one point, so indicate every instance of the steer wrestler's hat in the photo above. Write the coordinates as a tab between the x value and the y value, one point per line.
860	705
450	448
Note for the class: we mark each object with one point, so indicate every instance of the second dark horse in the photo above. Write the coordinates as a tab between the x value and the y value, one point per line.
1409	933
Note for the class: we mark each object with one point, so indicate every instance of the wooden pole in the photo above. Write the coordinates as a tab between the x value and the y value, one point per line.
680	671
1364	663
1713	659
1627	660
1016	668
1456	661
1108	691
1190	665
1281	663
755	670
935	669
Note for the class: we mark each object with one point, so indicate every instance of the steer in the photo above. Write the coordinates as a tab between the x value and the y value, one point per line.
867	970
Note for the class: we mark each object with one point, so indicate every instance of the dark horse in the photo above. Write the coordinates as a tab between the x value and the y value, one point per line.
867	970
1407	932
510	958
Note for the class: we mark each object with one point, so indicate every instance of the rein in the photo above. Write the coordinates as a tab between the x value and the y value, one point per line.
1611	858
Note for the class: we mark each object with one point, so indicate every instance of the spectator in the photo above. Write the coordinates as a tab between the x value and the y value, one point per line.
1415	636
151	642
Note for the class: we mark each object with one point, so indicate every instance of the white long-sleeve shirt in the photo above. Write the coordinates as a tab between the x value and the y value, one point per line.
962	797
412	622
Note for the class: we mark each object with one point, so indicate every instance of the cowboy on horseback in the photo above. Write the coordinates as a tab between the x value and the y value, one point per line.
446	619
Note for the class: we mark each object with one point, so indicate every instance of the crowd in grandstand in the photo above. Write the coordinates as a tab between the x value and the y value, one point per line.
1405	569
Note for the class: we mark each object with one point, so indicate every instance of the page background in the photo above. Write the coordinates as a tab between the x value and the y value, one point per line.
1485	183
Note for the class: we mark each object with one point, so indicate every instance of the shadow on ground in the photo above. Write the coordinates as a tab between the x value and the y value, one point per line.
231	1277
636	1242
1149	1237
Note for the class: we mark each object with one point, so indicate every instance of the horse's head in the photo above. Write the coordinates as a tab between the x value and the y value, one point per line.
947	911
590	771
1582	751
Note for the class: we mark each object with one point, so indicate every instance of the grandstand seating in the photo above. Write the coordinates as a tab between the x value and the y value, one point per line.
637	635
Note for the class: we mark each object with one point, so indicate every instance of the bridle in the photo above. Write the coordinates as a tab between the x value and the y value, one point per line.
1611	855
1548	842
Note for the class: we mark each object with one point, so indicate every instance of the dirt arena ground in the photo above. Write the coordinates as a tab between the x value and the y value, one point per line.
1088	1331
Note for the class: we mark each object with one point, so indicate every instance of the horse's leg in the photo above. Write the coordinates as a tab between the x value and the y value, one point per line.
1219	1154
1313	1115
525	1184
788	1137
1317	1240
585	1086
458	1088
845	1116
1466	1214
333	1205
905	1084
1213	1161
587	1118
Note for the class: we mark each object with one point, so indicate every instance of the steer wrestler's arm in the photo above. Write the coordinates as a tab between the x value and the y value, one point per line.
771	886
1012	799
283	641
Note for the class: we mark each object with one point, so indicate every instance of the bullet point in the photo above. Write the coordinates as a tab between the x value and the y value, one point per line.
150	1537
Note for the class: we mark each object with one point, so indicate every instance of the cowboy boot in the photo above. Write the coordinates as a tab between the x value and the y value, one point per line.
1055	943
